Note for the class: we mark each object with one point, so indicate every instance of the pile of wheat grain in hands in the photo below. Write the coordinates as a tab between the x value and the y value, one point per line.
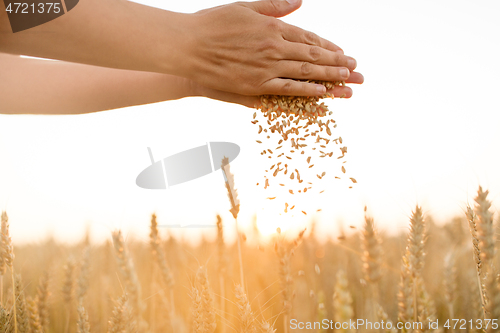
242	48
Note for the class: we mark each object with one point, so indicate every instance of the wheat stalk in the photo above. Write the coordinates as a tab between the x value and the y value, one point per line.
221	263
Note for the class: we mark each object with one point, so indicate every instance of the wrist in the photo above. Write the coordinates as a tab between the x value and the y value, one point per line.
172	55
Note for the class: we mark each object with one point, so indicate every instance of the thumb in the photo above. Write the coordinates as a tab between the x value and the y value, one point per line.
275	8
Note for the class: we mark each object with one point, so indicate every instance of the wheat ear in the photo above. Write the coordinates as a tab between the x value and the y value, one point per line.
82	325
247	317
209	323
284	252
7	250
342	300
83	276
34	316
372	252
22	316
43	301
121	320
127	271
161	261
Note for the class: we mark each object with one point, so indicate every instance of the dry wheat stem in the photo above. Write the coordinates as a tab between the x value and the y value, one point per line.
232	194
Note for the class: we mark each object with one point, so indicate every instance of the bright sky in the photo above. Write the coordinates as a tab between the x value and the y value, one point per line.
423	128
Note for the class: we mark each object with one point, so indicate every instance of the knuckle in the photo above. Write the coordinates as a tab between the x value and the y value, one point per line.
314	53
311	38
269	45
273	24
306	68
287	88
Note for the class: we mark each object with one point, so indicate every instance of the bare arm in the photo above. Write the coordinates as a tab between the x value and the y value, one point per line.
33	86
239	48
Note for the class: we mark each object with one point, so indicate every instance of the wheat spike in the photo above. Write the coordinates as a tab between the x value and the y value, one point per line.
372	252
247	317
342	301
266	327
83	277
127	270
21	310
416	241
382	316
82	325
159	255
232	193
6	250
450	282
208	314
493	306
68	284
121	320
197	311
34	317
405	295
485	231
43	301
284	252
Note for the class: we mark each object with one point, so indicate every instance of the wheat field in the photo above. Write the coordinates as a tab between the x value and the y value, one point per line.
278	284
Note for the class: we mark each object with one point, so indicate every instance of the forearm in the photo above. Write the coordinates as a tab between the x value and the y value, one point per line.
32	86
111	33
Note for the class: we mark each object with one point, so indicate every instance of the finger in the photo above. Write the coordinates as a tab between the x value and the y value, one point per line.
292	33
275	8
303	70
317	55
355	77
339	91
288	87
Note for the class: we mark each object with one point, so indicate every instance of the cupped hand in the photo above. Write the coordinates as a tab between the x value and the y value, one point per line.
242	48
253	101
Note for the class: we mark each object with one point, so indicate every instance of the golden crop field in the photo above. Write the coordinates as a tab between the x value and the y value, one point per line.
431	273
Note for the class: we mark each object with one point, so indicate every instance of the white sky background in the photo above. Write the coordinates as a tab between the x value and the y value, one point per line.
422	128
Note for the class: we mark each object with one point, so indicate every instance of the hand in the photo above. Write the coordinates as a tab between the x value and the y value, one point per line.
195	89
242	48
